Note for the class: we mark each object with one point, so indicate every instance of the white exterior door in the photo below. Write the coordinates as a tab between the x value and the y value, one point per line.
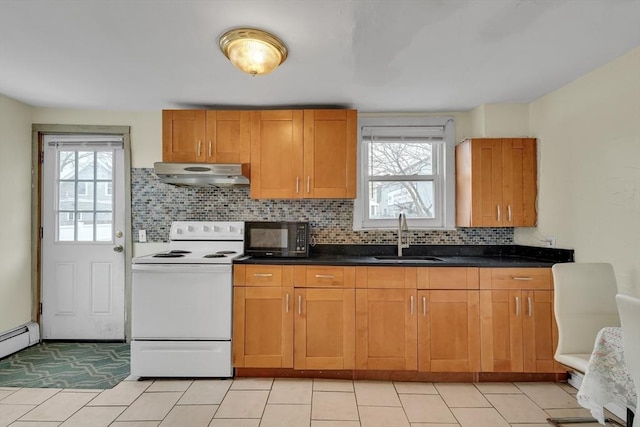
83	219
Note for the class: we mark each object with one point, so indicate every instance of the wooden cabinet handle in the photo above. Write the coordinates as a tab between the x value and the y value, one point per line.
498	212
210	151
262	274
286	303
297	185
308	184
424	306
411	305
530	306
509	213
299	304
522	278
517	306
324	276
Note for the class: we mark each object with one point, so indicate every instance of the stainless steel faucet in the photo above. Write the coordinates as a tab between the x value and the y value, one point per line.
402	228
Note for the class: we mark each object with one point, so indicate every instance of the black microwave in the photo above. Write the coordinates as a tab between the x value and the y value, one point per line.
276	239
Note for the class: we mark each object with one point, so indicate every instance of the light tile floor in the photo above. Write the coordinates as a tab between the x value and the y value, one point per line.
259	402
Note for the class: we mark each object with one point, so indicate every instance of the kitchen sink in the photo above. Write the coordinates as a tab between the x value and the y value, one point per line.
408	258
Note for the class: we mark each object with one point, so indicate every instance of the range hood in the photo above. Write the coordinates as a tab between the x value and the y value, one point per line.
201	174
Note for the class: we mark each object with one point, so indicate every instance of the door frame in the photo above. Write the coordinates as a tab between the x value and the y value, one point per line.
37	150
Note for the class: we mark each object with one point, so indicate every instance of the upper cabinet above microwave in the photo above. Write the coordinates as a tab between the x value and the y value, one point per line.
206	136
496	182
303	154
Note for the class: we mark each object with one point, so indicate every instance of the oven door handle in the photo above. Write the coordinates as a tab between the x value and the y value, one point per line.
182	268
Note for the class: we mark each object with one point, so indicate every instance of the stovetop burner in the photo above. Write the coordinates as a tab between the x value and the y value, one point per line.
216	255
170	255
179	251
226	252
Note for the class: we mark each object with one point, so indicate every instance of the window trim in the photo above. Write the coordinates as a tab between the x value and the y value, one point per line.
445	191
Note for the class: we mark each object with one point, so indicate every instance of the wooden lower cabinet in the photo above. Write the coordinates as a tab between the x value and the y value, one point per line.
324	329
263	327
386	329
517	331
448	331
410	319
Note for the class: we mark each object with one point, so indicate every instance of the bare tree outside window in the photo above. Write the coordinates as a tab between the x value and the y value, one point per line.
402	162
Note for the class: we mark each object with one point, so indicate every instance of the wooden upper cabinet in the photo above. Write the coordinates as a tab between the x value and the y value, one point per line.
496	182
183	136
276	154
330	154
299	154
204	136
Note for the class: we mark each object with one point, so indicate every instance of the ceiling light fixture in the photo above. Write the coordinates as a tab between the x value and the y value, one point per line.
253	51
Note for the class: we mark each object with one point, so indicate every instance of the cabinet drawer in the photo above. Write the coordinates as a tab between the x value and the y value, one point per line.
448	278
323	276
263	275
515	278
386	277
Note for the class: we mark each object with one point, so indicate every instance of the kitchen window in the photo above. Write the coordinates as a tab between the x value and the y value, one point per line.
406	166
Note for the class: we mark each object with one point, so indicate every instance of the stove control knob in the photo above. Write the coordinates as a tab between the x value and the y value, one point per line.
178	230
189	228
215	228
205	228
231	229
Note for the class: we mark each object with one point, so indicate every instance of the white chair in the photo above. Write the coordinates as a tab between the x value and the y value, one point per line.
584	303
629	308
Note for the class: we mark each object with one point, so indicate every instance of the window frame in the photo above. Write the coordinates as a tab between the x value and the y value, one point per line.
444	184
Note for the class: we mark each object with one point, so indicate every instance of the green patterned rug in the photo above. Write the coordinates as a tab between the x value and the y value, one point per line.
66	365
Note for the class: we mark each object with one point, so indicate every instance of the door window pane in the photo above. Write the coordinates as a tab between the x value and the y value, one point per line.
66	226
104	198
389	198
67	164
104	164
86	164
85	227
85	196
67	195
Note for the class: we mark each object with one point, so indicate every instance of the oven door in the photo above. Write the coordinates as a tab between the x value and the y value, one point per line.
181	302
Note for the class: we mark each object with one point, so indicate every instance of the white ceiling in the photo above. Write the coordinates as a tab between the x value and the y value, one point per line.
373	55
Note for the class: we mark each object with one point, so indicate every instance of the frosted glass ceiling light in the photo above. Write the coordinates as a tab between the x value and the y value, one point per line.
253	51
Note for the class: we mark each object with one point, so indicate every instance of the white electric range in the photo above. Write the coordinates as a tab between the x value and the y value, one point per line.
181	302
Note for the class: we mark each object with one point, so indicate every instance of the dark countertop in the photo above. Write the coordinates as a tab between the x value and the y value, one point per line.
448	255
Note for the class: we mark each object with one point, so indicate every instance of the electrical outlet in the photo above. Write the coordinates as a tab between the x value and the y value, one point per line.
142	236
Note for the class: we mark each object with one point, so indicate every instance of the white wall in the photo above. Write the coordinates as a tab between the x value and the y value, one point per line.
15	213
589	168
146	128
500	120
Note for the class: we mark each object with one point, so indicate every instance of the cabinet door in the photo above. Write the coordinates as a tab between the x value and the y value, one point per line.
183	136
538	331
386	329
324	329
519	182
448	331
501	330
330	153
277	154
263	327
487	181
228	136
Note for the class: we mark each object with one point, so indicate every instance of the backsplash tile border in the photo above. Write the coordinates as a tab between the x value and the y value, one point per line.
155	205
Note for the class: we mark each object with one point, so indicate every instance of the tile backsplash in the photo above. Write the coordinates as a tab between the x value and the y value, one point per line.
155	205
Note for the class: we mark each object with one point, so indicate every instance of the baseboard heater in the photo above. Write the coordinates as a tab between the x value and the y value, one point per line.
18	338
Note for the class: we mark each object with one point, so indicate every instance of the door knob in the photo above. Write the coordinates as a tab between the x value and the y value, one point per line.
118	248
